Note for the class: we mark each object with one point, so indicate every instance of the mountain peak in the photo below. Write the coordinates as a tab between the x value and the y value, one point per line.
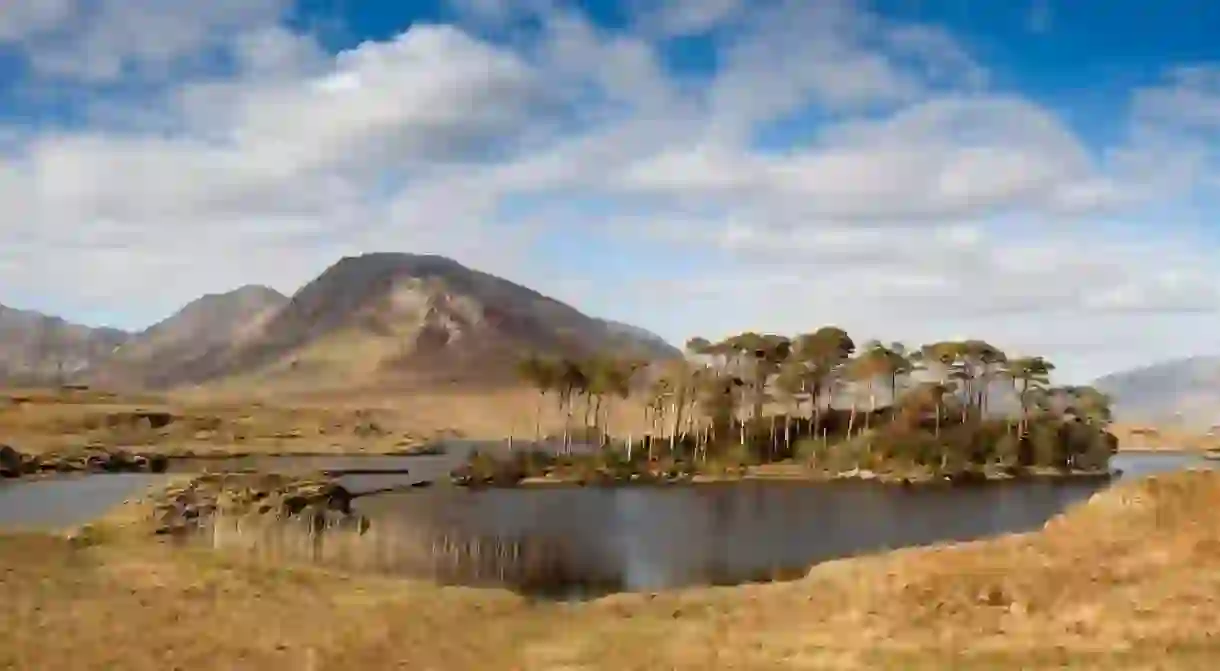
373	317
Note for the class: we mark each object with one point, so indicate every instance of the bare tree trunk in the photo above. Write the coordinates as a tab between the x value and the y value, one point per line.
816	419
607	437
872	406
567	426
673	434
538	418
773	445
597	422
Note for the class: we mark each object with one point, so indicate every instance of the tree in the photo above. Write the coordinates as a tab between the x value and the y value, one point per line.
701	400
543	375
619	375
761	357
823	354
571	381
928	396
1029	375
864	369
1089	405
892	362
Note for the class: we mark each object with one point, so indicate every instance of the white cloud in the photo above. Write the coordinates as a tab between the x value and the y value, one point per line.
923	203
677	18
20	19
792	54
947	158
102	40
1189	97
277	162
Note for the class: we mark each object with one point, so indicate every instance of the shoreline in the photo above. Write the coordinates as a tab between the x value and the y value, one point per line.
802	475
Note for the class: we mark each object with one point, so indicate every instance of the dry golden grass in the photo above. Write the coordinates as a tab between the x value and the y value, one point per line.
314	422
1141	437
1129	581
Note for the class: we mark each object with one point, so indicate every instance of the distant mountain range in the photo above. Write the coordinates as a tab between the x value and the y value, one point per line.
34	346
1182	392
367	320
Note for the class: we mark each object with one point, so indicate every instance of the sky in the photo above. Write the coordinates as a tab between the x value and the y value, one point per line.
1042	174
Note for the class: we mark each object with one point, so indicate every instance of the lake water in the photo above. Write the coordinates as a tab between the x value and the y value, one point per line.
640	538
69	501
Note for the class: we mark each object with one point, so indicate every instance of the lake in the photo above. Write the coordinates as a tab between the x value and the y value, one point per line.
631	538
646	538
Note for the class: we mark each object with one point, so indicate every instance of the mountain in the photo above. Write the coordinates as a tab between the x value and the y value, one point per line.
154	356
647	341
1183	392
37	348
367	320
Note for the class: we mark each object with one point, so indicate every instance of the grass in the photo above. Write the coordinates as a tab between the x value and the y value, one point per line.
1130	580
1163	438
376	421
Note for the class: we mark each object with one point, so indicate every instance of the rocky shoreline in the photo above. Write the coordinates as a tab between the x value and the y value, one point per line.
190	506
16	464
506	478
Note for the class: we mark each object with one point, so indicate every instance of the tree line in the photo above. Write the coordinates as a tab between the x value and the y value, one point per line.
767	394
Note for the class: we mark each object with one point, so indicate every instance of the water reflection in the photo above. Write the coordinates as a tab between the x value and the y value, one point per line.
654	538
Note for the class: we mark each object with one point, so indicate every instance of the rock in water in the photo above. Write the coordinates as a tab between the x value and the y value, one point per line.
11	462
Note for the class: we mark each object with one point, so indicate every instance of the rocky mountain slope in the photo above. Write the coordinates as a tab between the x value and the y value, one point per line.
410	317
35	347
1180	392
367	320
214	322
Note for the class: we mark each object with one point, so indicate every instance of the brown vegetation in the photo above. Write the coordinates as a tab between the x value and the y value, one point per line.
1155	438
376	421
1126	581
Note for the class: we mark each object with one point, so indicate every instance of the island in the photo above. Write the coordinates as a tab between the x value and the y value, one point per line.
767	406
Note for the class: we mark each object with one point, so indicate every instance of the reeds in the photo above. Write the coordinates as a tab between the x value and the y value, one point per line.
536	566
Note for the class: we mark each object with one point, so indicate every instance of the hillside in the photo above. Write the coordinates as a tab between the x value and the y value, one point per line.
374	320
1183	392
631	335
214	322
37	348
412	318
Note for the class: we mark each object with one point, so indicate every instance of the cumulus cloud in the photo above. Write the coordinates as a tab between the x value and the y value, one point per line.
99	41
948	158
678	18
20	19
918	201
1189	96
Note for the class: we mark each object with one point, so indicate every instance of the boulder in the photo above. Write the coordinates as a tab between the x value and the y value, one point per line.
157	463
317	502
12	462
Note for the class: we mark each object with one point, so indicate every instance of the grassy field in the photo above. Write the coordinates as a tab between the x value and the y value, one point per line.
375	422
1138	437
1130	580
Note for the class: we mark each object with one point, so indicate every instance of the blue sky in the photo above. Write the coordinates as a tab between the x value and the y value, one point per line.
1041	173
